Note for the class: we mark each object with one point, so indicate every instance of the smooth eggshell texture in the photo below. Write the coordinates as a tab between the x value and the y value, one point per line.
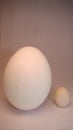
27	78
62	97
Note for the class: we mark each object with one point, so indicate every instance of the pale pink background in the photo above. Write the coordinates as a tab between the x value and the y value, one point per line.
49	27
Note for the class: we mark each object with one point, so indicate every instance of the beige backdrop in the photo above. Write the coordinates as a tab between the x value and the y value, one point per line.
49	27
42	24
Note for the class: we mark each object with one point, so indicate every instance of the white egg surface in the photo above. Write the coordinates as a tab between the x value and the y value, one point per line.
27	78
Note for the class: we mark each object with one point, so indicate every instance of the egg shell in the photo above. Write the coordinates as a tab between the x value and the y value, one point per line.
62	97
27	78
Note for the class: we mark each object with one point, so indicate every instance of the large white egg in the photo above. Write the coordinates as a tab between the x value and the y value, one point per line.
27	78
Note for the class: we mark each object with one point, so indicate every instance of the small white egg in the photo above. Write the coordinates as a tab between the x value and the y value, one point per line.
27	78
62	97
